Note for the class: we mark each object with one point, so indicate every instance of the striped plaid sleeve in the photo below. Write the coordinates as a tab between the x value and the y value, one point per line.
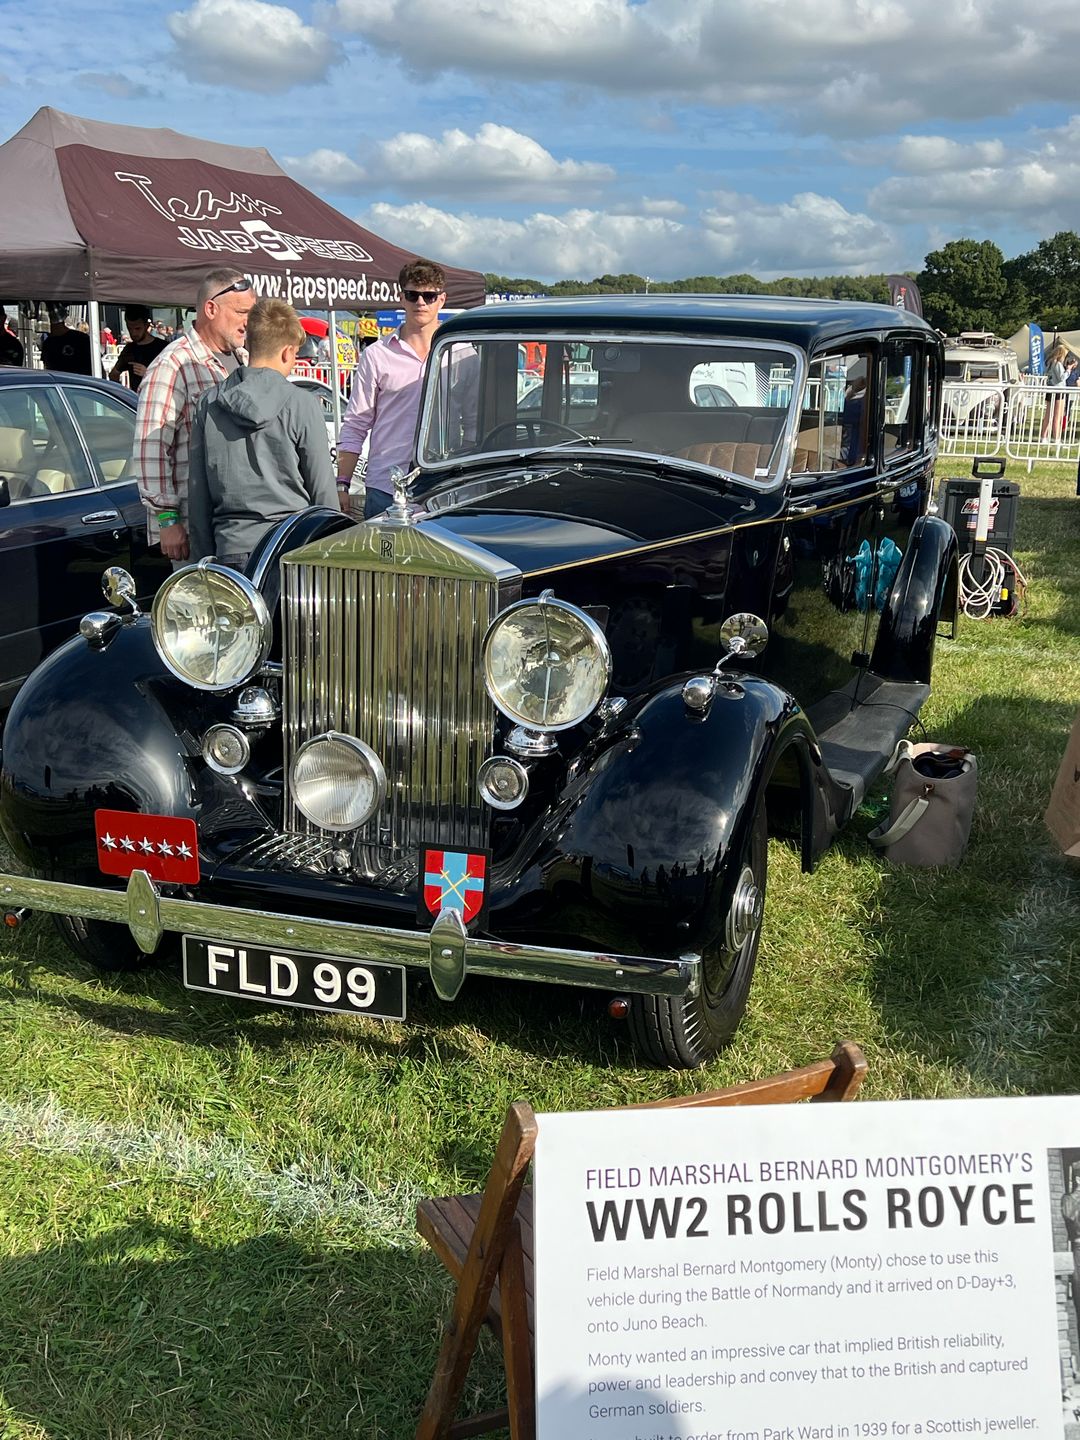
161	402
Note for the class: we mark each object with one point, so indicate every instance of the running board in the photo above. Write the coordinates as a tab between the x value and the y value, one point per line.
858	745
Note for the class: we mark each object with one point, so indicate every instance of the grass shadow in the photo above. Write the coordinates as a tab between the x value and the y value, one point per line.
143	1330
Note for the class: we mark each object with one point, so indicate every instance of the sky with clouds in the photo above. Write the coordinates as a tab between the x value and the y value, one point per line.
569	138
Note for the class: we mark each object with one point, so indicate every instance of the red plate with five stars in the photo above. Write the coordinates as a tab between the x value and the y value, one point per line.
165	847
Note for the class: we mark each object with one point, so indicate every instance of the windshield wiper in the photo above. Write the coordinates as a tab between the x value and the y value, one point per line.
690	470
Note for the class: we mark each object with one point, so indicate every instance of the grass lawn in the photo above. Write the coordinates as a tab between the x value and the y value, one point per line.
206	1209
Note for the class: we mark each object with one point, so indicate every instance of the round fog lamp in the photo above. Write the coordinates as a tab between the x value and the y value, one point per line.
503	782
225	749
337	781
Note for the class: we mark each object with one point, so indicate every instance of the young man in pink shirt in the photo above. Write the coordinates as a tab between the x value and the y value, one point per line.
385	398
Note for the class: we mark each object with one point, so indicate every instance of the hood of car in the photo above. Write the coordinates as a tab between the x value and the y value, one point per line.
535	520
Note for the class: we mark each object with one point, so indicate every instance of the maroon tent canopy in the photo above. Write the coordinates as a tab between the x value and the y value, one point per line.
94	211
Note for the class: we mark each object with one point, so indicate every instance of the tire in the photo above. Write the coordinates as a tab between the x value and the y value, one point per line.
684	1032
107	946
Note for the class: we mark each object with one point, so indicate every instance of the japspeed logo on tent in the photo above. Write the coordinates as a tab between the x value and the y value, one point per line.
251	236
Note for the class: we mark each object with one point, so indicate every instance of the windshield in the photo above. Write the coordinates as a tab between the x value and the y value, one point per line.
721	406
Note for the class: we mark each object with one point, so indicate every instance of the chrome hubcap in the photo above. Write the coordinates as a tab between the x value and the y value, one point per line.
747	904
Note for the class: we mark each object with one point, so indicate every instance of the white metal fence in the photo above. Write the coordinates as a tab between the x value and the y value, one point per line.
1025	422
323	372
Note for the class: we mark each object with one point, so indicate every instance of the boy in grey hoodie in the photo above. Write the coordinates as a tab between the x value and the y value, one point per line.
258	445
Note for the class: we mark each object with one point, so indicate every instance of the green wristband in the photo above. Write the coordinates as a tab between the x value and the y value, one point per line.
165	518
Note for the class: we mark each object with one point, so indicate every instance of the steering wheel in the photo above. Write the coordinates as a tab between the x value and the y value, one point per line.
533	428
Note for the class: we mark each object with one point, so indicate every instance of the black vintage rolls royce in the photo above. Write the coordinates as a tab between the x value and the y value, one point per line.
537	719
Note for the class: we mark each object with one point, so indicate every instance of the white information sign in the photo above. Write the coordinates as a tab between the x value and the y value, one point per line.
865	1271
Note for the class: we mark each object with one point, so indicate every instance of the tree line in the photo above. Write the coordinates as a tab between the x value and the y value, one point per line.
965	285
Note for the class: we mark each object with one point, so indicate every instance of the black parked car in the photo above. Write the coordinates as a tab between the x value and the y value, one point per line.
535	720
68	509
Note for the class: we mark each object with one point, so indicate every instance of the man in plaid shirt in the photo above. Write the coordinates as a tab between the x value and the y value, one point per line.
185	369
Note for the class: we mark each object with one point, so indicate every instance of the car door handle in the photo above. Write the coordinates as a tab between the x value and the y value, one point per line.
802	507
101	517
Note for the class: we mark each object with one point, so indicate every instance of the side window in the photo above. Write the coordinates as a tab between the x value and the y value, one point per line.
833	424
108	427
902	384
39	452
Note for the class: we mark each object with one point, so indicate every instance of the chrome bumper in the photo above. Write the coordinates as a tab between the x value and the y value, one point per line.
445	951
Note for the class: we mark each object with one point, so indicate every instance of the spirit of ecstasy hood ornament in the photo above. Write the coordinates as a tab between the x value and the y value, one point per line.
401	481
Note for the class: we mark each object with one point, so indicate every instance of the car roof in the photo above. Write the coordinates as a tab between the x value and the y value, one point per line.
17	375
807	323
980	352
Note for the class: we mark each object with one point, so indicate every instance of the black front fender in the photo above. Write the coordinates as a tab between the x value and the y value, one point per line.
105	728
634	855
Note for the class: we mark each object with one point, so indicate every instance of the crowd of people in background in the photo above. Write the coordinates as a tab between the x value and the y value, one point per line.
66	347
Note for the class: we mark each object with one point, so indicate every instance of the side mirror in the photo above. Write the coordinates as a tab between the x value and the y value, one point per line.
5	492
119	588
741	635
744	634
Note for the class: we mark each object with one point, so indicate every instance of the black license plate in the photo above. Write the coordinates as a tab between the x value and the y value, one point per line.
291	977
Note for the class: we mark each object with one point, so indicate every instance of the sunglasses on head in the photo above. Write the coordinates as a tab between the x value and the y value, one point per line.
428	296
241	285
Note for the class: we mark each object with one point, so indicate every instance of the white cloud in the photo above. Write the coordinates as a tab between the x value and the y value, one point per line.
496	161
330	168
853	66
970	185
925	154
249	45
570	40
807	235
574	243
661	207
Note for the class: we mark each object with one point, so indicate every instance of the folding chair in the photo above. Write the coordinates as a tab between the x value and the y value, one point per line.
485	1240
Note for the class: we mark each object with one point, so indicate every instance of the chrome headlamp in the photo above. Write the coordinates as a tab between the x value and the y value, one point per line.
211	626
546	663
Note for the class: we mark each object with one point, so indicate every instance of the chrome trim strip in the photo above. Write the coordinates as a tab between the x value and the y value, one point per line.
507	960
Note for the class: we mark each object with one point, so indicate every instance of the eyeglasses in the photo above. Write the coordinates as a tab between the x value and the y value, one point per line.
241	285
428	296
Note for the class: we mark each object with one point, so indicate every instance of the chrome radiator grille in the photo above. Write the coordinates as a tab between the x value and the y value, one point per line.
382	635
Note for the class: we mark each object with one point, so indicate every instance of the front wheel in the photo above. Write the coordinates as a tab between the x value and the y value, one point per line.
683	1032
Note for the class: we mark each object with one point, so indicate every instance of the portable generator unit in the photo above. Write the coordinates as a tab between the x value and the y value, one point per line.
982	511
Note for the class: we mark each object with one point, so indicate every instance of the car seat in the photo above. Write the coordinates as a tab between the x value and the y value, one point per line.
18	462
